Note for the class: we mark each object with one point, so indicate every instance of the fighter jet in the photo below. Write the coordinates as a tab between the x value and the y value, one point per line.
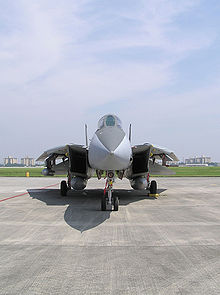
111	155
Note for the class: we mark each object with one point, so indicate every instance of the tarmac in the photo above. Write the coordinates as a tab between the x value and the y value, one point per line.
51	244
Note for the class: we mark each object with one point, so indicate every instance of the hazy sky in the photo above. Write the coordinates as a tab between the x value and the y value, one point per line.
154	63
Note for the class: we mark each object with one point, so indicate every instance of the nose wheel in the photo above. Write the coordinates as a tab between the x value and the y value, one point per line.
108	199
105	203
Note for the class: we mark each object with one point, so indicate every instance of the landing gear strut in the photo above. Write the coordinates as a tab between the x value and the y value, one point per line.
109	199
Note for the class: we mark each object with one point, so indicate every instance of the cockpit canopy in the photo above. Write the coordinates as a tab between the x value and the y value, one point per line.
109	121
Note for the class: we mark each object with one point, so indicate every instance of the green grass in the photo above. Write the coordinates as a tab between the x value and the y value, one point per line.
21	172
180	172
196	171
11	171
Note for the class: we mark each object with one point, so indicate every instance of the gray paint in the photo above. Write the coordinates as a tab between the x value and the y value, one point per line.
110	137
102	158
109	149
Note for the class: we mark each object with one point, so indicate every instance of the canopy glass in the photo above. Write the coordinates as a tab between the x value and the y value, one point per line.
109	121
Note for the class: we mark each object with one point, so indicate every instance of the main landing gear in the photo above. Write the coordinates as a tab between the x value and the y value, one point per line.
153	187
63	188
109	199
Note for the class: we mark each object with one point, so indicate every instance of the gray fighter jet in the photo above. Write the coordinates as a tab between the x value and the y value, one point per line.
110	155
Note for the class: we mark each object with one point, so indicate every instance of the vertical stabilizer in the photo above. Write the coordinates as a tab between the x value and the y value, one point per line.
130	132
86	134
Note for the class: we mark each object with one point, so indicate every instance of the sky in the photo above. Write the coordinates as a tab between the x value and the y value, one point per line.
154	63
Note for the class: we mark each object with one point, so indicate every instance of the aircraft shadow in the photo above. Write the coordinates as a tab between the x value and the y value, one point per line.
83	212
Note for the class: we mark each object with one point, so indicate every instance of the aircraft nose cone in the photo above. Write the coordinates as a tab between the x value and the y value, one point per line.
111	138
109	156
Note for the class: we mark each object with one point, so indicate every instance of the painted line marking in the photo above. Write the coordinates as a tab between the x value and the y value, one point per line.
26	193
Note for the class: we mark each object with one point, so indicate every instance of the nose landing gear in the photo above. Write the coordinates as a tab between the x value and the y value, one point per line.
109	199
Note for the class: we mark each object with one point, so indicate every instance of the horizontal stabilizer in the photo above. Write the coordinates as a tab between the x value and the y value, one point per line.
157	169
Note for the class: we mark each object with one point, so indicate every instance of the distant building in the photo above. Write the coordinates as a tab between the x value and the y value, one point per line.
172	163
27	161
198	160
10	161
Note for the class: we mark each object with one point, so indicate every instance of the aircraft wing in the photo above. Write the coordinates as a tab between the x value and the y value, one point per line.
60	151
155	151
159	152
144	160
74	159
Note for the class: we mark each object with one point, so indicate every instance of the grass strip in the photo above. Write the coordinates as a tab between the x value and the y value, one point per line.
180	172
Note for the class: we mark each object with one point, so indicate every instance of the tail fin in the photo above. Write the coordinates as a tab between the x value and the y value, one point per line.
130	132
86	134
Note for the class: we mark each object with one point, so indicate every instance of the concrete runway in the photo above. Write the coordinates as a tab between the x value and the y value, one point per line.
65	245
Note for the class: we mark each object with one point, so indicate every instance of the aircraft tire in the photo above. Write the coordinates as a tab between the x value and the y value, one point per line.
116	204
103	203
63	188
153	187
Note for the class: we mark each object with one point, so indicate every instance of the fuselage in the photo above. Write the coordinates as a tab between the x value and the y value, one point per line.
110	148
